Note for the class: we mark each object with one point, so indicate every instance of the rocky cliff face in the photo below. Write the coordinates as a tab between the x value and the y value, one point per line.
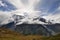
34	29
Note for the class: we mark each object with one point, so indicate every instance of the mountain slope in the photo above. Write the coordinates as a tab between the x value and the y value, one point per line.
6	34
34	29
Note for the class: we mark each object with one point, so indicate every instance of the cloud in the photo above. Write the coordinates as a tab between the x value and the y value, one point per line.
48	5
2	4
50	9
32	9
5	18
54	6
6	6
21	9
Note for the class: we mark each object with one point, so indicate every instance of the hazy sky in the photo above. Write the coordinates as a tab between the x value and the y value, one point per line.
49	6
32	7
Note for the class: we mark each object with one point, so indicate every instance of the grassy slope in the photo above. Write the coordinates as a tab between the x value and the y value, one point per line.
6	34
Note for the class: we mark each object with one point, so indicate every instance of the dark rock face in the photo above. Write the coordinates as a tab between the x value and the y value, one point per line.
9	26
54	27
35	29
42	19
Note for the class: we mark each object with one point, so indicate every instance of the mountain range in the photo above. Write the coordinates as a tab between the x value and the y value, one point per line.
26	19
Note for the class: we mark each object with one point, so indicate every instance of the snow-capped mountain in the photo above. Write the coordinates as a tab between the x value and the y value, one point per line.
27	11
26	18
36	13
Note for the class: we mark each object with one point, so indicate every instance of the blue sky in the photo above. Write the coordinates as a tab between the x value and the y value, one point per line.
49	5
7	7
45	5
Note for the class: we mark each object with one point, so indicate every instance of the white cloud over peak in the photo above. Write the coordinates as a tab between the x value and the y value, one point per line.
27	9
5	18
